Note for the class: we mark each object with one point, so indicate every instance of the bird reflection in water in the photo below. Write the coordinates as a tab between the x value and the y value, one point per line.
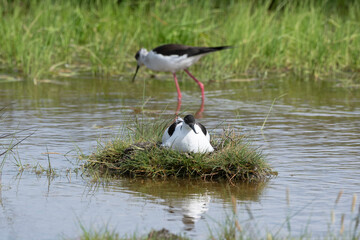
192	209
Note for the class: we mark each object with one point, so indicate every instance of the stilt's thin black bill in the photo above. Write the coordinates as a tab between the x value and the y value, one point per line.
137	69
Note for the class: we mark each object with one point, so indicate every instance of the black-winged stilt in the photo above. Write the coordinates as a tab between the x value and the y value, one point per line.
187	136
172	58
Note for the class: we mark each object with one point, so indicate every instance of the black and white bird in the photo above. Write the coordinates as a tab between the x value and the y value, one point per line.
186	135
172	58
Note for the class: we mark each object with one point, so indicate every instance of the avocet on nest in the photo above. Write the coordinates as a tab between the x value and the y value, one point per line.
187	136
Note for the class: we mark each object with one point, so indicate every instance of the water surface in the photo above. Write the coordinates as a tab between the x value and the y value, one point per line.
311	137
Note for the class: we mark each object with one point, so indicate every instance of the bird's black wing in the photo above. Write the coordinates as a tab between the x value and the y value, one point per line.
178	49
172	129
203	128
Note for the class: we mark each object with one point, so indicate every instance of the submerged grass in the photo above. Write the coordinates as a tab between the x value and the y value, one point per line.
44	39
8	140
141	155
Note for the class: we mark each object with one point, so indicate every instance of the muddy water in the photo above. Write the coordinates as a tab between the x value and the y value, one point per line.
311	137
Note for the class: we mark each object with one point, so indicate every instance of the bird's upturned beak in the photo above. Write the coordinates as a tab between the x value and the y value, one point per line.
192	127
137	69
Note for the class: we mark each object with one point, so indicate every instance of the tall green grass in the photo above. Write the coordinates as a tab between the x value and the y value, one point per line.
42	39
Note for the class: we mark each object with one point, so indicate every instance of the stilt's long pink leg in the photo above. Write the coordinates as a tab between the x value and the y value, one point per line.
201	85
178	107
199	113
177	87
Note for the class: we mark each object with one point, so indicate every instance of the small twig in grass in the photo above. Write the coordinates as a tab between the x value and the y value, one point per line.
267	116
342	224
353	202
48	157
235	174
145	102
338	197
356	223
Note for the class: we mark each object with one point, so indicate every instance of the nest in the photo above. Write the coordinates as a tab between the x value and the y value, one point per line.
234	159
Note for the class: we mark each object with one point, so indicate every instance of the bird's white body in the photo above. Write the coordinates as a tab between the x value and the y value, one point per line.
172	63
184	139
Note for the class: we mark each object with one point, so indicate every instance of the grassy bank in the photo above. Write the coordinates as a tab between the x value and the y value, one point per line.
140	155
50	39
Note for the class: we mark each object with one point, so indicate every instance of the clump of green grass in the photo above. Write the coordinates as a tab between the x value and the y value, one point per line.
107	234
98	235
141	155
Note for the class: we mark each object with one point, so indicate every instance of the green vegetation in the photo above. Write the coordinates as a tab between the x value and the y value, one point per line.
51	39
141	156
106	234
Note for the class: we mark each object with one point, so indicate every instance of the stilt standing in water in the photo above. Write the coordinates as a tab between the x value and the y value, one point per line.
172	58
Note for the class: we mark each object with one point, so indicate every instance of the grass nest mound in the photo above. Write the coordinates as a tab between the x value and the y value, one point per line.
234	158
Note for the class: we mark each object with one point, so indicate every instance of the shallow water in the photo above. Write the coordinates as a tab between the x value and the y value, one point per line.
311	137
